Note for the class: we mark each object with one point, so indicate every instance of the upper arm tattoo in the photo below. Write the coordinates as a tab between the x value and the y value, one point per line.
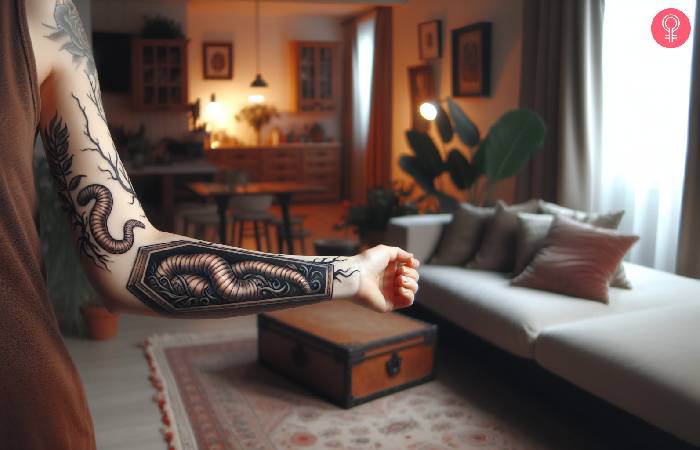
56	140
185	277
98	241
69	29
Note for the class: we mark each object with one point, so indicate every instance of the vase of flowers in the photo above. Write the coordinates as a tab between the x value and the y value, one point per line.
257	116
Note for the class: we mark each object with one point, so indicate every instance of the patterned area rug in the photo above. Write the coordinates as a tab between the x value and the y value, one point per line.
215	396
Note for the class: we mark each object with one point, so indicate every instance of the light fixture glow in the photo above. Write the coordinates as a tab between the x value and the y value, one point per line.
214	115
428	111
256	98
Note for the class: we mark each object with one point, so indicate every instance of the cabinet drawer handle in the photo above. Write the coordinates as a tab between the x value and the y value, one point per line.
299	356
393	366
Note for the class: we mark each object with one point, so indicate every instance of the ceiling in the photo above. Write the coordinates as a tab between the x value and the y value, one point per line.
298	7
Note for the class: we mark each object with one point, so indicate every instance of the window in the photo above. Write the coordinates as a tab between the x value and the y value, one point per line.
646	90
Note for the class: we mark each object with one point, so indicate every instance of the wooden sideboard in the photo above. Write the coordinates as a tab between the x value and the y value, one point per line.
313	163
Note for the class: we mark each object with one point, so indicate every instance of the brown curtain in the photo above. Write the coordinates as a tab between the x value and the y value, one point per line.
378	155
688	262
561	80
349	50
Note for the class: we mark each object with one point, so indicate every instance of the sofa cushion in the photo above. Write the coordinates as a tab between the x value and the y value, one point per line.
646	362
462	236
497	250
485	304
609	220
577	259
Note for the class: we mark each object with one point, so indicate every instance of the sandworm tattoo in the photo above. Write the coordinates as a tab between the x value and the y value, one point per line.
98	219
183	277
56	140
203	271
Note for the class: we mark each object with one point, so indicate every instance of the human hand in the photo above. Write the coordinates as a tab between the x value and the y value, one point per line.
388	278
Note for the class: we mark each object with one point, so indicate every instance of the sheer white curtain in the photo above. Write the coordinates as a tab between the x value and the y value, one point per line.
362	66
645	127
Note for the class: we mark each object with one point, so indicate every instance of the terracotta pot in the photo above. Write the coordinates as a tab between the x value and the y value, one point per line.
102	324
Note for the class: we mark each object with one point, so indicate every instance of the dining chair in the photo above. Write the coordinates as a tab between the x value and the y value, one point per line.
254	210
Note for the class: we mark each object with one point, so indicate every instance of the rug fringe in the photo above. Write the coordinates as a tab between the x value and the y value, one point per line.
167	430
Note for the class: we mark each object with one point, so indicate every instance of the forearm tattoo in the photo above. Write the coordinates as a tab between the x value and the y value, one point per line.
185	277
69	30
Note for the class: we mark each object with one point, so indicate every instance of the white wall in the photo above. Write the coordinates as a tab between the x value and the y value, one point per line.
127	16
235	22
506	16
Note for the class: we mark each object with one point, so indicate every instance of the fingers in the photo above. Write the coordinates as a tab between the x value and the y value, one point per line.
407	282
408	271
404	298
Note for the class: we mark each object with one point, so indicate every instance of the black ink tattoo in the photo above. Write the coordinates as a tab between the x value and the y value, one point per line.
330	259
339	274
184	277
115	169
70	28
56	140
98	219
69	25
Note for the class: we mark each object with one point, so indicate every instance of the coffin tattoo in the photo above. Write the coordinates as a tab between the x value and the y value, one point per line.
98	219
183	277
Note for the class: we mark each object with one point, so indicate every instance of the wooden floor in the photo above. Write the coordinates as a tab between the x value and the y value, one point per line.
115	376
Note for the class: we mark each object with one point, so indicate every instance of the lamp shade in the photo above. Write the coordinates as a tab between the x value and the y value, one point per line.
258	82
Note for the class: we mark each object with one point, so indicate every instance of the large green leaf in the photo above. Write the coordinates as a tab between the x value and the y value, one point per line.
427	153
510	143
466	130
412	166
462	172
480	159
444	125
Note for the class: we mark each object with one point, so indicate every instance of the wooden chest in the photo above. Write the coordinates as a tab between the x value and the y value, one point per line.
347	353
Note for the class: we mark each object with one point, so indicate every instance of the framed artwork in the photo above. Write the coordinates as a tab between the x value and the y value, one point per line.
430	39
471	60
218	60
422	87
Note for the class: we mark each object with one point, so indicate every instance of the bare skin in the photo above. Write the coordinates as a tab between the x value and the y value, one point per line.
140	269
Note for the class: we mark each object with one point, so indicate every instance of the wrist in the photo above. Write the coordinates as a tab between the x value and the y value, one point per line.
346	277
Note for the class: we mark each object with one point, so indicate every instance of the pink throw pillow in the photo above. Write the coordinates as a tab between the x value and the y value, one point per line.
577	259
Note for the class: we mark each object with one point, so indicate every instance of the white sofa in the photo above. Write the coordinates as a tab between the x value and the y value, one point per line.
640	352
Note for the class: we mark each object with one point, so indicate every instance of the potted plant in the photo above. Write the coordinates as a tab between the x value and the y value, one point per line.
370	219
480	163
69	289
257	115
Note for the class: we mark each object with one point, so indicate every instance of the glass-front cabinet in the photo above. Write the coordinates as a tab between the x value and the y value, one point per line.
315	71
159	74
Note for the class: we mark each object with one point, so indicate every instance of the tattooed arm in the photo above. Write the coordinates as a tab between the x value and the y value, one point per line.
141	269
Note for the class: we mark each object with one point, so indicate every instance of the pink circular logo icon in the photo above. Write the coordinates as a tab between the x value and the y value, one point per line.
670	28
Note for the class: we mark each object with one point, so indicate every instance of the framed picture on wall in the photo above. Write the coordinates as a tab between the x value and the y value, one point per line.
422	89
430	39
217	60
471	60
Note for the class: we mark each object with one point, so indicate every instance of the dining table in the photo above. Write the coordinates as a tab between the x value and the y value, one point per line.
283	191
167	173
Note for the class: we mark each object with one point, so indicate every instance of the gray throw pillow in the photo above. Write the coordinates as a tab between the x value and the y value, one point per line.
461	237
497	251
604	220
532	230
